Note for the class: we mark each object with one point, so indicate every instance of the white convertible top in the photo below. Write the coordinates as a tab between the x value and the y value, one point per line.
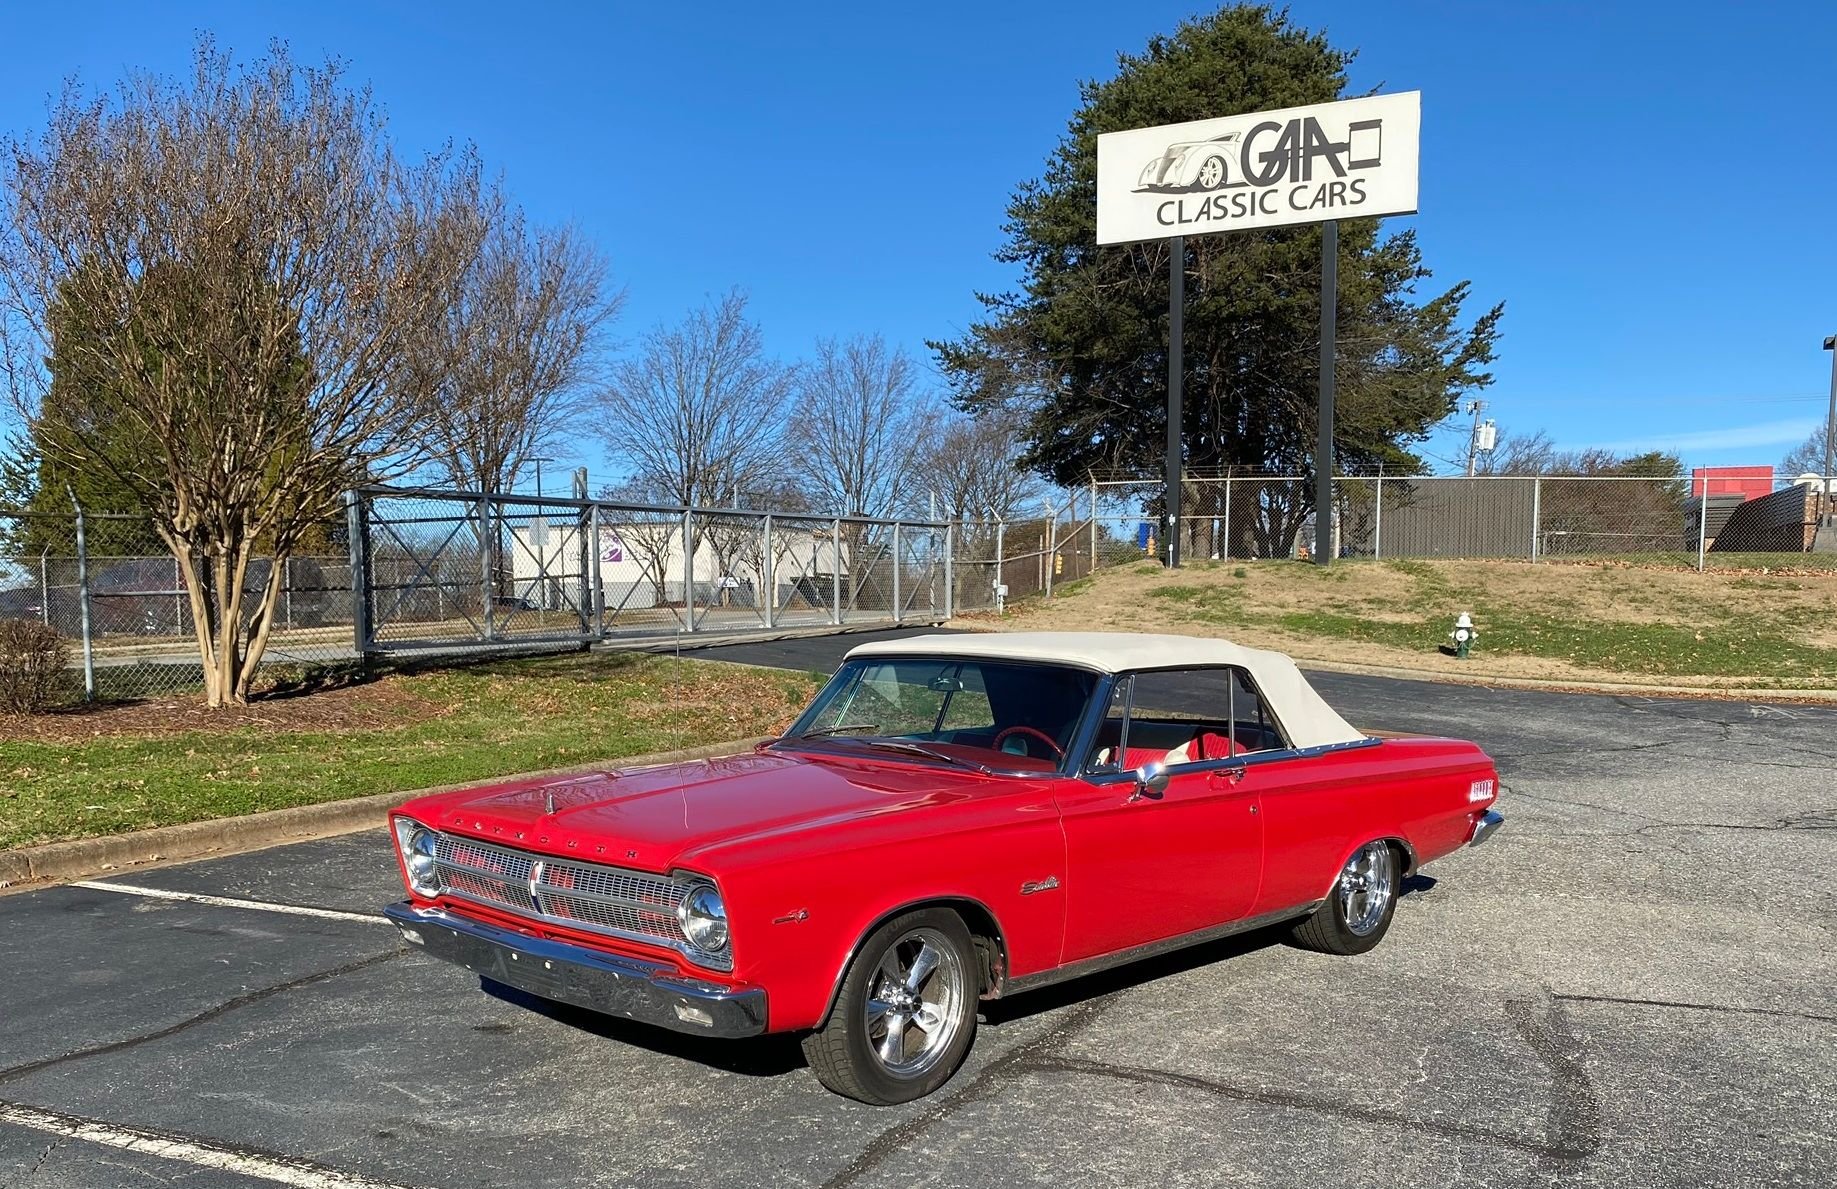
1305	716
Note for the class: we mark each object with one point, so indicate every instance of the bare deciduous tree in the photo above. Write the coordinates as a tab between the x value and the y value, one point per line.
857	444
260	262
1807	458
694	414
859	436
505	370
972	468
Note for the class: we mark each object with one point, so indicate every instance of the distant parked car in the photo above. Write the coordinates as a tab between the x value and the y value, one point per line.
955	818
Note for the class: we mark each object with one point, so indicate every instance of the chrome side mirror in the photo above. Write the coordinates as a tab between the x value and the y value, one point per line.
1150	781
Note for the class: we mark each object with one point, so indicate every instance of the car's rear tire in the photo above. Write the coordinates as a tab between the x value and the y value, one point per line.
1358	911
906	1014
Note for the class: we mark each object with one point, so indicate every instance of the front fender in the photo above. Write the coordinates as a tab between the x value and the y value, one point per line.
799	915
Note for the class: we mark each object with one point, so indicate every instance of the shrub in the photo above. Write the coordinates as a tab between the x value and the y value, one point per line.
33	666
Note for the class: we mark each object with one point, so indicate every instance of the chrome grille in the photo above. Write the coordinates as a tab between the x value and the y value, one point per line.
610	900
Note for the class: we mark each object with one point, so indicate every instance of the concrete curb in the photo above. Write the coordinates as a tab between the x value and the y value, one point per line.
64	861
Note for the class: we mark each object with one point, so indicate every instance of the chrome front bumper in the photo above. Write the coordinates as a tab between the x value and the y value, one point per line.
616	986
1482	829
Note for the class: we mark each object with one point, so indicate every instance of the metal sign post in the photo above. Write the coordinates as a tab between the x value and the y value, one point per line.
1176	318
1323	448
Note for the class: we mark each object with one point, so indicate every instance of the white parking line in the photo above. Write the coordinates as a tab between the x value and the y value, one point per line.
330	914
279	1169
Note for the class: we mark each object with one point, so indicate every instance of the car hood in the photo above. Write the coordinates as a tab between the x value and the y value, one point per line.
650	818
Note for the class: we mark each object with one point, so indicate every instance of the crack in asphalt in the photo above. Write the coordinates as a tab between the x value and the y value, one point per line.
1814	819
39	1163
1572	1128
993	1077
15	1072
1710	1007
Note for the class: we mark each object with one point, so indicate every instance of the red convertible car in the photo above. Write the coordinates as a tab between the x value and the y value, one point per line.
955	818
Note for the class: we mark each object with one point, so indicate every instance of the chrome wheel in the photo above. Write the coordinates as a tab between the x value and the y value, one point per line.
1365	887
1211	173
914	1003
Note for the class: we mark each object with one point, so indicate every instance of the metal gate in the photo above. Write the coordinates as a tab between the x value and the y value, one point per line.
462	571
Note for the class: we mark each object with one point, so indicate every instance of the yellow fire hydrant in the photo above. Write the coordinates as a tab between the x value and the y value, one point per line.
1463	635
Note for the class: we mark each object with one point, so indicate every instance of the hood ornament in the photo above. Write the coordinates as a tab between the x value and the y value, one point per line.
548	802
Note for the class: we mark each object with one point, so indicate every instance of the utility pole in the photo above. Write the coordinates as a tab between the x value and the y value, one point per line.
1474	445
1830	427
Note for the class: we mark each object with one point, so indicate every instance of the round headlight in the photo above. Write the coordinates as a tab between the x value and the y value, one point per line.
704	918
423	867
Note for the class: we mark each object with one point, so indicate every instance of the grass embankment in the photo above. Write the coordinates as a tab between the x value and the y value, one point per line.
107	770
1578	622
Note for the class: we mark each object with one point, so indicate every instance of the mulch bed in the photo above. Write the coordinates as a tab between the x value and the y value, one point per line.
360	707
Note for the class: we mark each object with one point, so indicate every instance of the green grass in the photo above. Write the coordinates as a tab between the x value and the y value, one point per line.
1651	625
455	725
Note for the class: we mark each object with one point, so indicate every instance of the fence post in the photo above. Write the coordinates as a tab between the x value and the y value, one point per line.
589	551
1227	553
357	544
1052	550
898	606
835	576
768	580
44	584
1702	523
487	545
599	582
950	570
287	587
1093	524
688	570
89	652
1537	498
1377	521
1001	562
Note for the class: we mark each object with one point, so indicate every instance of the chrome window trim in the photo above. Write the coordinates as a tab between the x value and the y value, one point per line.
1244	760
684	883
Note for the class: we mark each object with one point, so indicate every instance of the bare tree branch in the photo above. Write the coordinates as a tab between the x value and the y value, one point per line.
859	438
505	371
694	414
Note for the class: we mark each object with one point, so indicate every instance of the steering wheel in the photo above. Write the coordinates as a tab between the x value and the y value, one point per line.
1042	736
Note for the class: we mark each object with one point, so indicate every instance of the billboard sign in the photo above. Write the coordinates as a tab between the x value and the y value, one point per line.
1352	159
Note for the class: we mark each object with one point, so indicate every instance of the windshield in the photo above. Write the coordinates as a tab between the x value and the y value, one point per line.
989	714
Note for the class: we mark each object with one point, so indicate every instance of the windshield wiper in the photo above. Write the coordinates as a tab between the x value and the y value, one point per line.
839	729
919	749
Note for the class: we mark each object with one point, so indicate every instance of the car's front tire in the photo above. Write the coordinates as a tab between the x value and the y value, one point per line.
1358	911
906	1014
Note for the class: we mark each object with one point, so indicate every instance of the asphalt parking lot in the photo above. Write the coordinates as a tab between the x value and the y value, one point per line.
1631	984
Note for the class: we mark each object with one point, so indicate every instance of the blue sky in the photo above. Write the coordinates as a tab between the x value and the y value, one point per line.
1648	186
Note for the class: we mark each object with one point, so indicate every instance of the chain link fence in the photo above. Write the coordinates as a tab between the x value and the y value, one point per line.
1658	521
432	572
107	585
996	561
460	572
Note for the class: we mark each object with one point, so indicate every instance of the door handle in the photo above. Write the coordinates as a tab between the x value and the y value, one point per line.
1224	778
